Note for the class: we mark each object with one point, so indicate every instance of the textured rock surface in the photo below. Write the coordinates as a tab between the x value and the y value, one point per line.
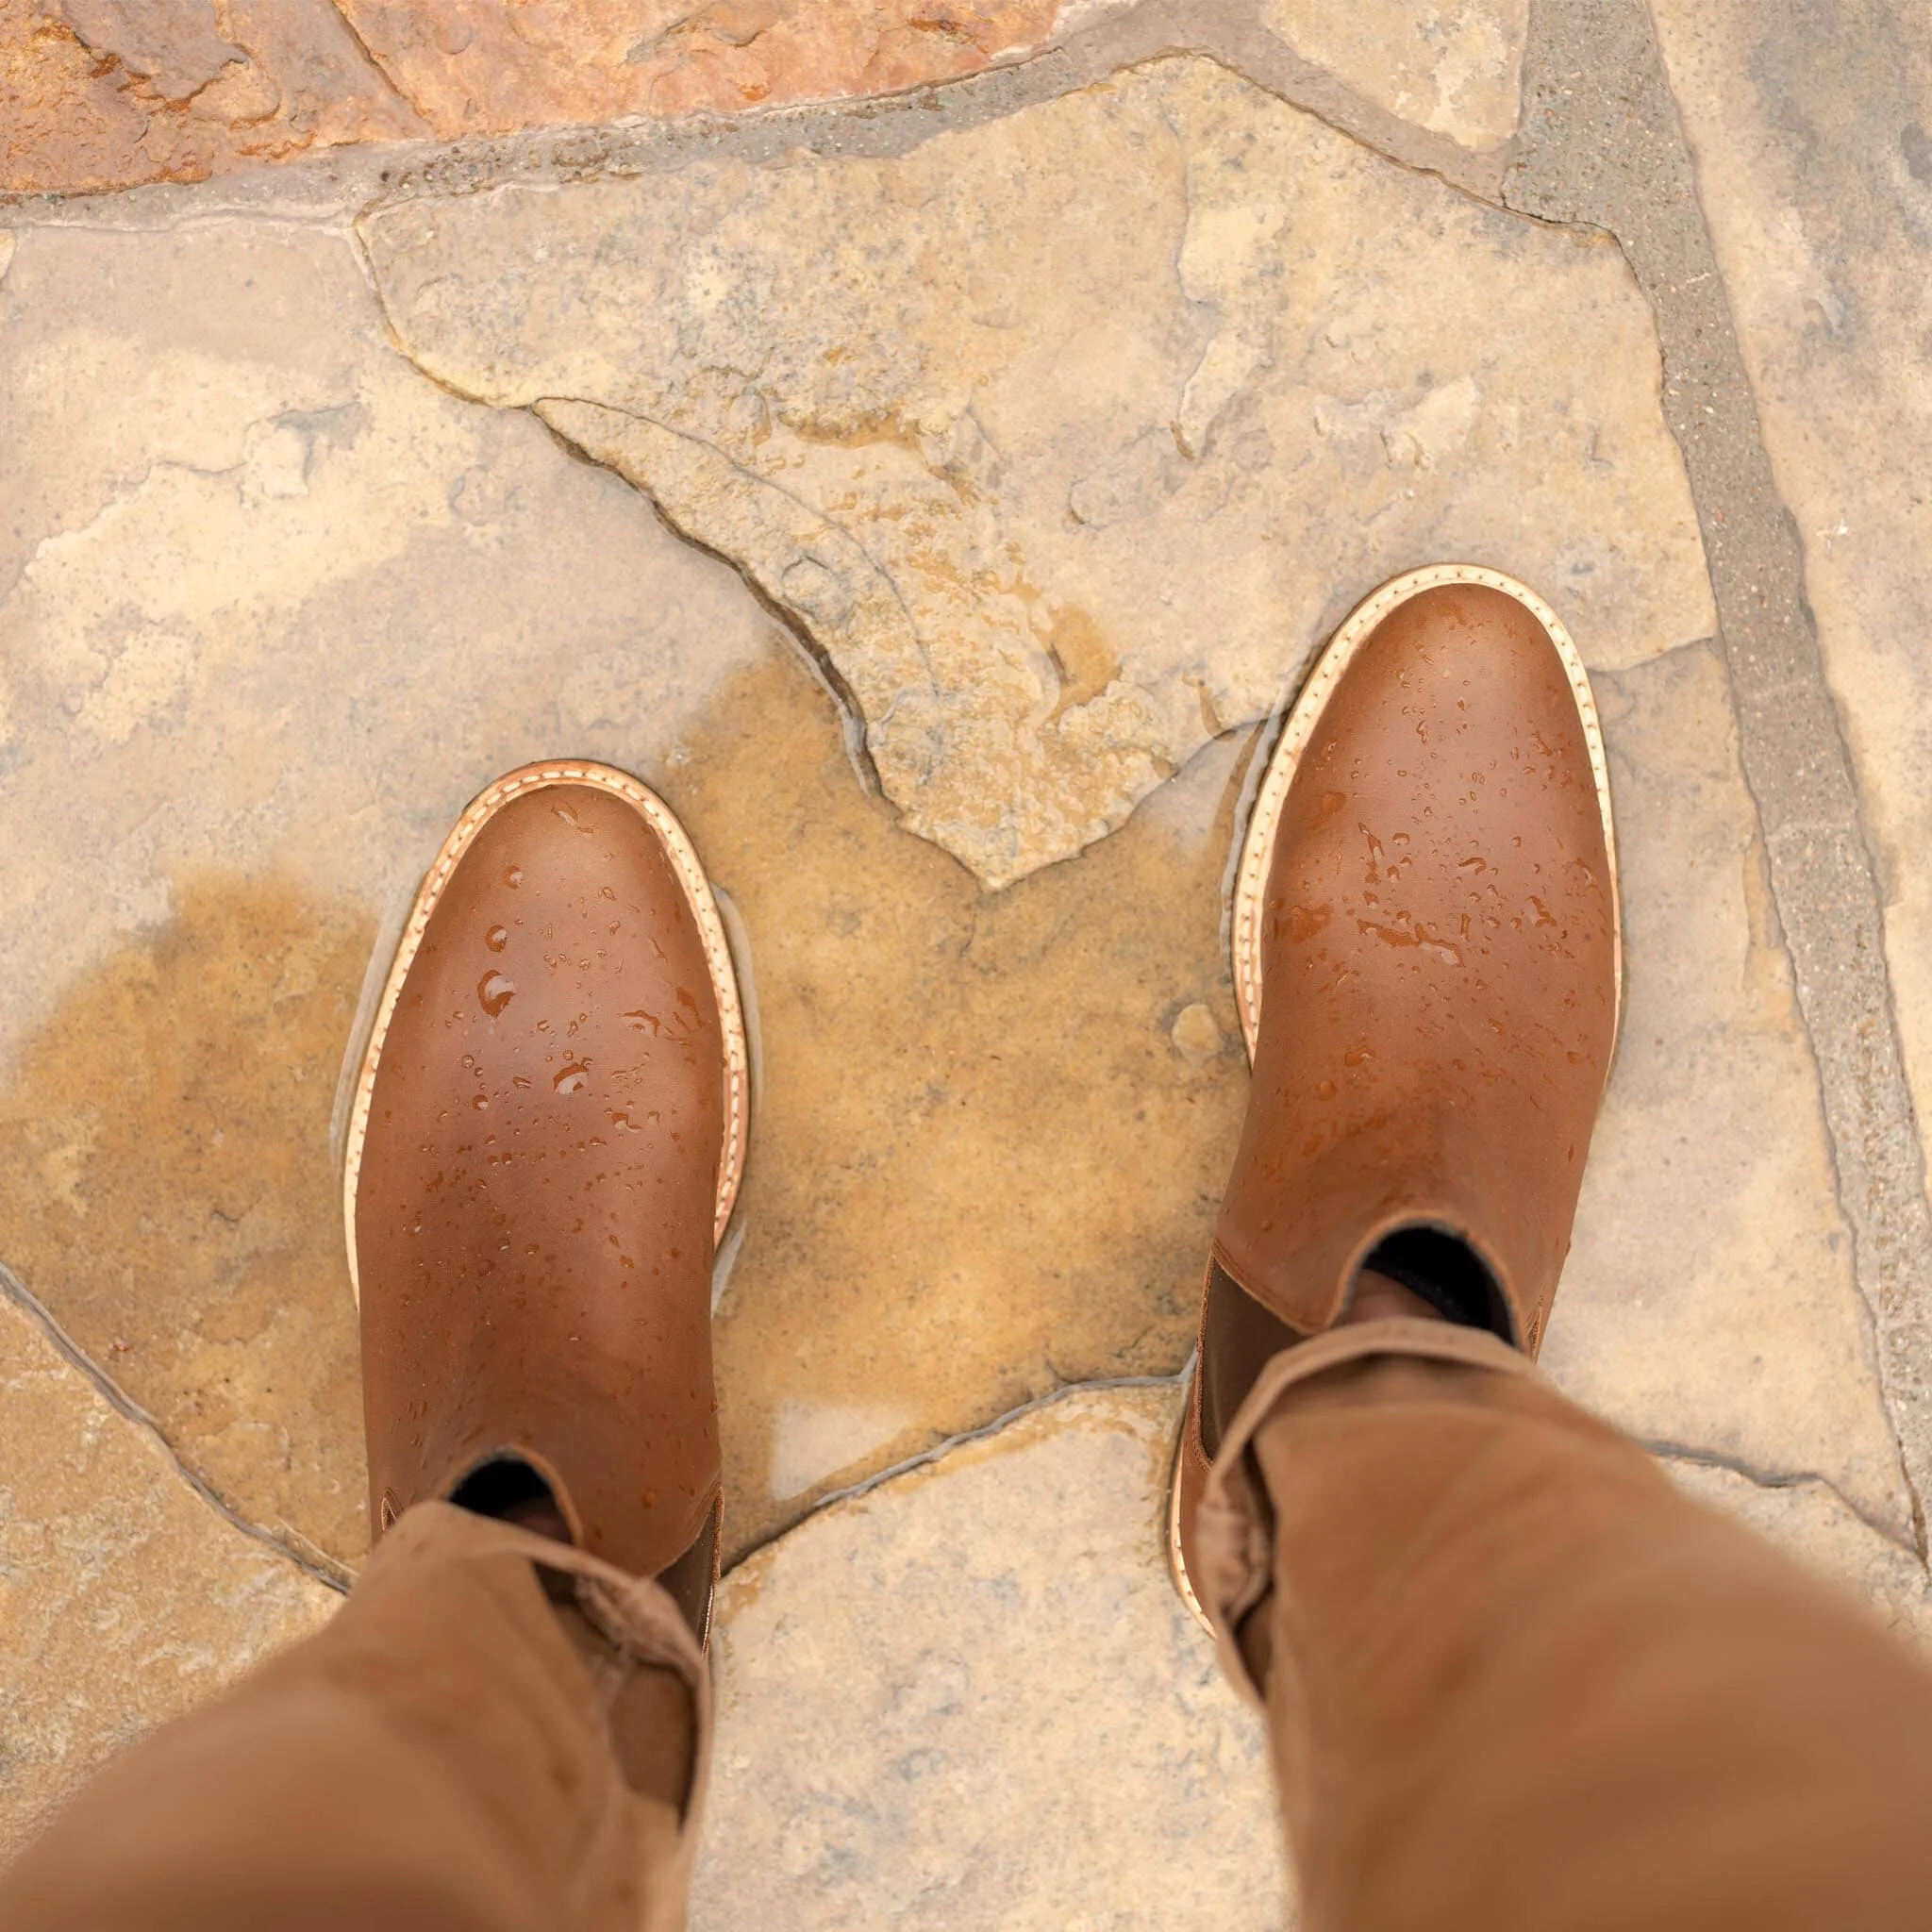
111	93
277	618
1710	1300
1811	131
125	1599
487	67
1452	66
1065	436
918	1690
993	1130
107	93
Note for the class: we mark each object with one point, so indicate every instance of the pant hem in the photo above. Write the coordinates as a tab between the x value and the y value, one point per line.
1236	1523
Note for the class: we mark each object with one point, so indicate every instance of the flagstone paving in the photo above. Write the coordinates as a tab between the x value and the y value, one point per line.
932	498
1064	481
124	1598
1811	136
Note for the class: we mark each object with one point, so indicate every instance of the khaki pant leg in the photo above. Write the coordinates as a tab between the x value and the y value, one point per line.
1515	1682
440	1757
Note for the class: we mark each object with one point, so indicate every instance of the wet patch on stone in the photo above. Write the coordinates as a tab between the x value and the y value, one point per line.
124	1600
982	1163
168	1192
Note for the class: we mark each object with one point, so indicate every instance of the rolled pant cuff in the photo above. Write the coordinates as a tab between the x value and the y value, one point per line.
1236	1528
634	1616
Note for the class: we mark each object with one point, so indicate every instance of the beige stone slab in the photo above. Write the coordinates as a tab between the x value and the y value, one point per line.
124	1598
1453	67
972	1699
1710	1300
279	605
1811	134
1066	435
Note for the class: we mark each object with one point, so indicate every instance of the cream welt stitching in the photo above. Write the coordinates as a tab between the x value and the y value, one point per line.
1257	847
697	891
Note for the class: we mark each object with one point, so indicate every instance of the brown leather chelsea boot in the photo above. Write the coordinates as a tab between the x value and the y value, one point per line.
543	1149
1427	962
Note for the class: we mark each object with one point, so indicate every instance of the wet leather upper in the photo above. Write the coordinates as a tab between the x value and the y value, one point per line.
534	1212
1439	1005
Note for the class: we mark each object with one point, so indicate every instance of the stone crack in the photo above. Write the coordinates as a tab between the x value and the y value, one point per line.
335	1576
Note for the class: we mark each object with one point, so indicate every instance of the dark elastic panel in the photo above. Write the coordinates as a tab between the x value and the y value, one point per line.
1447	1274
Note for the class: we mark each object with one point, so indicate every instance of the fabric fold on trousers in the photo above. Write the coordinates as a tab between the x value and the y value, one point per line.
1237	1519
1514	1680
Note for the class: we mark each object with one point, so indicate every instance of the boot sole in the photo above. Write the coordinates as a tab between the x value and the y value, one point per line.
1257	853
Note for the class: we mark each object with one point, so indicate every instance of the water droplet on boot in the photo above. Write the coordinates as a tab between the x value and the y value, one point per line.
495	991
496	938
573	1078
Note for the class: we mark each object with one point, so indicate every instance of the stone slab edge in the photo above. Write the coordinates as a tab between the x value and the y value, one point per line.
1600	143
330	184
313	1562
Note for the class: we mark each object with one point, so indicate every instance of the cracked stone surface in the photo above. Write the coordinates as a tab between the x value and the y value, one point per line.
1452	66
904	1738
1066	435
109	93
123	1598
1811	135
1061	438
256	747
